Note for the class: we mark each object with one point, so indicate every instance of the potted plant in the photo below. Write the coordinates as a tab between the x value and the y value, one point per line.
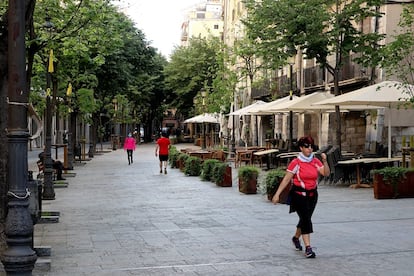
207	169
221	174
173	156
248	179
182	157
393	182
272	181
192	166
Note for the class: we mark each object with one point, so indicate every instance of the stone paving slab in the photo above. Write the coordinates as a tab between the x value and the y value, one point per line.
120	219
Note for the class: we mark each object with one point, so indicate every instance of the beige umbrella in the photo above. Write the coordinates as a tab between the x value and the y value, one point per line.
245	110
389	94
264	109
204	118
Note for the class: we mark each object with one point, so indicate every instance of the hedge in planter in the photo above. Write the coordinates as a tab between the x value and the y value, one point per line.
192	166
173	157
182	157
393	182
207	169
272	181
221	174
248	179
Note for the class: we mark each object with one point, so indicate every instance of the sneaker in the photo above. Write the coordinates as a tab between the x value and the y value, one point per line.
161	171
296	242
309	253
165	171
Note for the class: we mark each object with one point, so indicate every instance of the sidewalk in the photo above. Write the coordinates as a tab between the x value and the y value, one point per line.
118	219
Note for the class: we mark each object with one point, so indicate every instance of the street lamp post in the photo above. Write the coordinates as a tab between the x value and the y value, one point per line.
233	138
48	189
290	112
19	257
203	96
70	133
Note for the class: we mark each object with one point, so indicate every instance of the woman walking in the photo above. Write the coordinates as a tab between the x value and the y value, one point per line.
304	171
129	146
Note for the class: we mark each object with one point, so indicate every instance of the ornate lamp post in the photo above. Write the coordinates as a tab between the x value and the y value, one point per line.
72	117
203	97
18	258
291	98
48	190
233	138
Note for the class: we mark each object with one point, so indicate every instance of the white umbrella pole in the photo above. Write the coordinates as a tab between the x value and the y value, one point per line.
389	133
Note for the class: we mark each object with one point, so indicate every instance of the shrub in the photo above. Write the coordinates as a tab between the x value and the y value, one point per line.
218	172
207	169
192	166
272	181
173	157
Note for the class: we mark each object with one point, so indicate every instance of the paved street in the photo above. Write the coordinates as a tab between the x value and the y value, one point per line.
118	219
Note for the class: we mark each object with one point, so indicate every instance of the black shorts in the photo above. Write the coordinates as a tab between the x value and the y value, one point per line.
163	157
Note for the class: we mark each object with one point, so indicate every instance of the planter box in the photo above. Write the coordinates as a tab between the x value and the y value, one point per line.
250	187
384	191
227	179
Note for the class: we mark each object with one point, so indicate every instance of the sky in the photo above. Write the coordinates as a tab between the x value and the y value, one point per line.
159	20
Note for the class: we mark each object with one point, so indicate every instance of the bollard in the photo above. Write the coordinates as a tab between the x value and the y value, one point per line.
35	199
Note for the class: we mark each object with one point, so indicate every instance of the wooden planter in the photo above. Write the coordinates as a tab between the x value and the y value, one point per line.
383	190
180	165
227	178
248	187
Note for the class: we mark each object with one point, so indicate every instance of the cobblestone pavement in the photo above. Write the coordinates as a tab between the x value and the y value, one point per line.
117	219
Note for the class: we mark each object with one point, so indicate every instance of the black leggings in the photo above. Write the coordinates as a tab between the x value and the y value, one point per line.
304	207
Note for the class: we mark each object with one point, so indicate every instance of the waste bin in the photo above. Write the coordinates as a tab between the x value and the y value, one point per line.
35	198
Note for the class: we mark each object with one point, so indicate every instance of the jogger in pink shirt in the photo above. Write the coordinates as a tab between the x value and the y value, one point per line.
129	146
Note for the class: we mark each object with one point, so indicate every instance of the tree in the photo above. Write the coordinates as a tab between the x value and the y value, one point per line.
326	31
191	69
98	50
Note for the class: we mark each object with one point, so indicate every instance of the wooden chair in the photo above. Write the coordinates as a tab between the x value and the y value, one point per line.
247	157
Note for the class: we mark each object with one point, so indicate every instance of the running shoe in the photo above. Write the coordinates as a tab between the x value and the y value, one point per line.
309	253
296	243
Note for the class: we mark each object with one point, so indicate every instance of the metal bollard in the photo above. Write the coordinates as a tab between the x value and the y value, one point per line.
35	199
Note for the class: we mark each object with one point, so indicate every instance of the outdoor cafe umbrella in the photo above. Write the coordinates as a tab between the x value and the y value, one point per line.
264	109
307	104
389	94
245	110
204	118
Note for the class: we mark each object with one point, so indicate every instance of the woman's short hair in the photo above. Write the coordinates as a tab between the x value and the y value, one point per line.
306	140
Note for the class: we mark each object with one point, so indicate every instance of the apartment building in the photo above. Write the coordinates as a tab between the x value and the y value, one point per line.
361	129
203	20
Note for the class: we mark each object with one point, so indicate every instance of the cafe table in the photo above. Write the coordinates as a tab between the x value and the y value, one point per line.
358	161
266	153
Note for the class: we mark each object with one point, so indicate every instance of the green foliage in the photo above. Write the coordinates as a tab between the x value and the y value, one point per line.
173	156
193	166
198	66
207	169
319	28
392	175
218	172
397	57
272	180
248	172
